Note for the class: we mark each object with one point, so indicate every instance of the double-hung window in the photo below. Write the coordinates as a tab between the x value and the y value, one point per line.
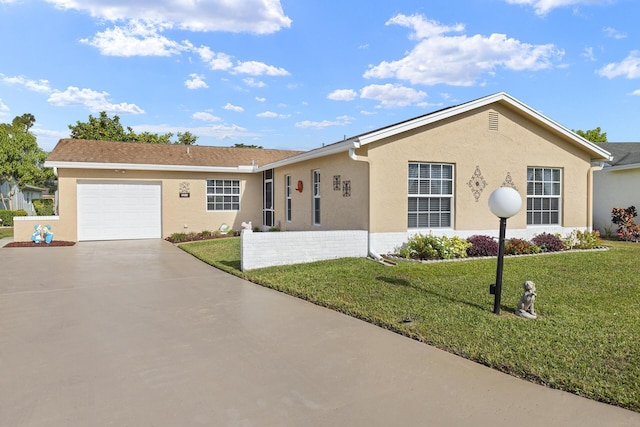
430	195
316	197
543	196
223	195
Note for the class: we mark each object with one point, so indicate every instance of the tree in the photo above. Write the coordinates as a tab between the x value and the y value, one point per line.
240	145
21	160
186	138
102	128
105	128
594	135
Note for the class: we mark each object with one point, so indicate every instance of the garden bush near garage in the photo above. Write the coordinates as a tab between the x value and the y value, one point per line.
584	341
202	235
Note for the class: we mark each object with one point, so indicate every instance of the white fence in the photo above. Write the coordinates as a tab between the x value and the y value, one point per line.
17	201
292	247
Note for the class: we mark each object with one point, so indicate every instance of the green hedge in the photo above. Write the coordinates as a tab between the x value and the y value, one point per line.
43	207
7	216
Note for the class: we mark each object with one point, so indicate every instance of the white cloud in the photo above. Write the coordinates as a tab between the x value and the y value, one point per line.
588	53
260	99
459	60
613	33
47	138
231	107
251	82
256	68
394	95
343	95
41	86
138	38
215	60
253	16
220	131
94	101
196	82
423	28
3	107
629	67
272	115
206	117
340	121
542	7
636	92
227	131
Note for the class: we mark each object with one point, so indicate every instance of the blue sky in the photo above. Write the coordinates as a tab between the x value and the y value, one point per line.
297	74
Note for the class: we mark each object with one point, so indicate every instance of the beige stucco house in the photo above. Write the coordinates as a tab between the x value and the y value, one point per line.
432	173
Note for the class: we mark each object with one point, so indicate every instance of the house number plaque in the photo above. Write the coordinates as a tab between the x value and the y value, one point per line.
184	190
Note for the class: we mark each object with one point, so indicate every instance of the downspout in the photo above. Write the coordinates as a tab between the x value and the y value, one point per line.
594	167
352	154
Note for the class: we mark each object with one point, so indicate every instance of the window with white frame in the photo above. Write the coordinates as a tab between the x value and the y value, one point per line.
316	197
543	196
287	197
430	195
223	195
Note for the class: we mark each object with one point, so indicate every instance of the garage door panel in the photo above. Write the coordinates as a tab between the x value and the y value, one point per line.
118	211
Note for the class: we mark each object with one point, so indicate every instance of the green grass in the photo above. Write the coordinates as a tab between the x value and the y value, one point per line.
586	339
6	232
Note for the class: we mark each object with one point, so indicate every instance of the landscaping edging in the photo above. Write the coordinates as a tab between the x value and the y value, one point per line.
470	258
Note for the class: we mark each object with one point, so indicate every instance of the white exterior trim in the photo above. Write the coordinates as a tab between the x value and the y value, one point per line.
150	167
339	147
620	167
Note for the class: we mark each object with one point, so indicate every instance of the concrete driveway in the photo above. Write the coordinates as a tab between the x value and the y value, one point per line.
138	333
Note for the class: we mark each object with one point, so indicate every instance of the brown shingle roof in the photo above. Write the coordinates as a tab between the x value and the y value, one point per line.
86	151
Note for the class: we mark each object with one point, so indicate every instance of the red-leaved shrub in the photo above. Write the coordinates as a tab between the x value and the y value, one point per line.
519	247
482	246
548	242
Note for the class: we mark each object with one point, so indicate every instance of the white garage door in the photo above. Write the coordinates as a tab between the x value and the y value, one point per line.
119	211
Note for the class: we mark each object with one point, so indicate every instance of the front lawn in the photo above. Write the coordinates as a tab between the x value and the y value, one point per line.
6	232
586	339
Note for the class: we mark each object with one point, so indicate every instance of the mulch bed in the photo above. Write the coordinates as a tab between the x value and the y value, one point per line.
38	245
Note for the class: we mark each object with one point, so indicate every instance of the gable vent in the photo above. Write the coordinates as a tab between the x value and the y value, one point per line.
493	121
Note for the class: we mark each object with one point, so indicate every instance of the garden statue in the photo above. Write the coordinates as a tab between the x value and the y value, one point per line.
42	234
525	305
246	226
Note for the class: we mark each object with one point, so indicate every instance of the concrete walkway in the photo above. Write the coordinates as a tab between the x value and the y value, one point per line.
139	333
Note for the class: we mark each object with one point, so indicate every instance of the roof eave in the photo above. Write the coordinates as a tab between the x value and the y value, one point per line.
622	167
149	167
328	150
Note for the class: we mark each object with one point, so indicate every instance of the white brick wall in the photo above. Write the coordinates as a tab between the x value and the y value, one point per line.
292	247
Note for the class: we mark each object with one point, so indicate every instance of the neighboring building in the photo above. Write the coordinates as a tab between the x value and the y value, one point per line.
14	198
617	184
433	173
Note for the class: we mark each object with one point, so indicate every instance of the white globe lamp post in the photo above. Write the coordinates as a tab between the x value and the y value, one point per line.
504	203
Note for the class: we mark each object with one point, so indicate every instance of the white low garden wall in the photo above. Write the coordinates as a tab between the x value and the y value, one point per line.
293	247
